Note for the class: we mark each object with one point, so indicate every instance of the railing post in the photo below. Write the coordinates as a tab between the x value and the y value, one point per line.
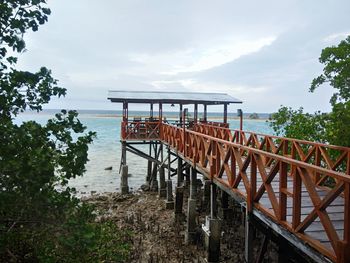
343	246
123	130
218	159
160	127
233	166
252	190
317	163
184	132
213	167
296	198
283	188
225	113
268	149
249	227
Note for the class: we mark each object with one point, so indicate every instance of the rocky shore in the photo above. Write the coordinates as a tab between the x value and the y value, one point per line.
158	237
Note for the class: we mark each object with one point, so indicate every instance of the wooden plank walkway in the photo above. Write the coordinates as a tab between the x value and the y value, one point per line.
316	230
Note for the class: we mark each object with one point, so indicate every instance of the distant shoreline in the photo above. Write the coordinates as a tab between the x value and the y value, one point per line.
145	114
171	117
214	116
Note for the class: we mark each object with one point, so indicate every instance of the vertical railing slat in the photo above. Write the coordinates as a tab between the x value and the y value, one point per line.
296	214
252	190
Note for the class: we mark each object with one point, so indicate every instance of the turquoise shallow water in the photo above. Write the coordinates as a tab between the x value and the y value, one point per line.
106	151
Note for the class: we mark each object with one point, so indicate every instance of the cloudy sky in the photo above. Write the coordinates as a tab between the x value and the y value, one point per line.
262	52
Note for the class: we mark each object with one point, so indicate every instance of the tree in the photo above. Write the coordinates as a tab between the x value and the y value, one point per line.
336	71
333	127
298	124
40	219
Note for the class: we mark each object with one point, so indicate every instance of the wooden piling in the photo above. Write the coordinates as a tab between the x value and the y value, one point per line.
179	195
169	185
193	183
191	209
206	195
124	187
180	177
162	184
226	213
249	238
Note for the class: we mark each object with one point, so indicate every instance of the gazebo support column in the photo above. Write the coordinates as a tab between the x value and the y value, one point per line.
225	113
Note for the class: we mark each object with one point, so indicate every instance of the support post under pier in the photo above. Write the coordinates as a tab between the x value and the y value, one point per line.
179	192
169	186
249	238
225	212
149	166
191	209
190	235
149	172
193	184
124	187
180	176
162	183
206	195
169	204
187	177
154	181
212	229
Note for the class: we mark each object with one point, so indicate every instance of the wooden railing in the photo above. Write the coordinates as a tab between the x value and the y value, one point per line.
259	176
140	130
215	123
331	157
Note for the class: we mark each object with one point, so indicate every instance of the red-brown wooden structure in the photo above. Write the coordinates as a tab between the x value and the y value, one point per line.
299	189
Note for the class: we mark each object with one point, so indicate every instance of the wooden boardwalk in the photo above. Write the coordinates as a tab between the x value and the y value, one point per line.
316	230
300	189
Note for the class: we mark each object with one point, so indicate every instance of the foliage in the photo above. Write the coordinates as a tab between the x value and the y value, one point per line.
338	127
330	127
113	244
336	71
40	219
297	124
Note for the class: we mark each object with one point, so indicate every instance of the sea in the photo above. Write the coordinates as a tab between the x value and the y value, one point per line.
105	151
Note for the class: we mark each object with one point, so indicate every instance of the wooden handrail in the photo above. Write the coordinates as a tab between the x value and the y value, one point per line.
227	130
328	156
314	168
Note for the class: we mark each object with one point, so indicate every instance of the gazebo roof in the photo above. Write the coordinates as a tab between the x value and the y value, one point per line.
166	97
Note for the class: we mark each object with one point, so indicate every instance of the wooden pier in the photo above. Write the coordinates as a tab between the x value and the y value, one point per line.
297	189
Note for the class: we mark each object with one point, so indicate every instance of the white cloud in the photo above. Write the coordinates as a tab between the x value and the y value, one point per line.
202	56
336	36
222	53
